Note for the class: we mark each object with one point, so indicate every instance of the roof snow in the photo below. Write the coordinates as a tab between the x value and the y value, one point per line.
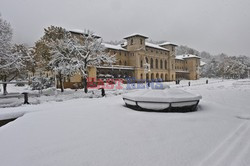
185	56
135	34
155	46
115	47
202	63
79	31
149	45
167	43
179	58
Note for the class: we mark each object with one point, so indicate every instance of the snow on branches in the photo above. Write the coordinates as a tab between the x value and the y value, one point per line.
62	57
13	59
89	51
75	53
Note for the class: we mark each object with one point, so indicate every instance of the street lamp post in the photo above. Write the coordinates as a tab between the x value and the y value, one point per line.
146	69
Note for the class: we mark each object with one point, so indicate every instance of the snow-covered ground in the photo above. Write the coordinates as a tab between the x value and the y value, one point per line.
101	131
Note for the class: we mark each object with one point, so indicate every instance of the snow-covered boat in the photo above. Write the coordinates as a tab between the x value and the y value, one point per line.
171	100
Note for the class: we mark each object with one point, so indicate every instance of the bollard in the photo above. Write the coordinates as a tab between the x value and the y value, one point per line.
103	92
189	83
26	98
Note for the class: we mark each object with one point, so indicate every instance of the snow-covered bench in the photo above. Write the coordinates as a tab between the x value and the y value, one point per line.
171	100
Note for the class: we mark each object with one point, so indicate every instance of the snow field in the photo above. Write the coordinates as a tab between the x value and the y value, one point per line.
101	131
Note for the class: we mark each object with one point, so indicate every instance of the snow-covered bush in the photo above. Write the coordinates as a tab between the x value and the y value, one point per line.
39	83
20	84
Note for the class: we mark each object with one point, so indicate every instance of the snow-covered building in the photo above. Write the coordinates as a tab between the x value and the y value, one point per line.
187	66
136	53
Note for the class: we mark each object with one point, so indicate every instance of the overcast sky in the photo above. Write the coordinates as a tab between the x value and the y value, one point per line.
211	25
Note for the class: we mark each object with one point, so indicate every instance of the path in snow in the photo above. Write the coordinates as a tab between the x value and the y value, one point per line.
234	150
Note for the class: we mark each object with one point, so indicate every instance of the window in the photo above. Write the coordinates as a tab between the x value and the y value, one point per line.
141	41
172	48
125	63
141	63
152	63
156	64
166	64
132	41
146	60
161	64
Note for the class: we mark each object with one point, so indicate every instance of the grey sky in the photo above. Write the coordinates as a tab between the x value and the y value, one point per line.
212	25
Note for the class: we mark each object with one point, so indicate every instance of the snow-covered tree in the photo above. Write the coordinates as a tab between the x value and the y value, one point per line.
42	51
210	69
232	67
62	60
180	50
5	38
89	51
13	59
14	64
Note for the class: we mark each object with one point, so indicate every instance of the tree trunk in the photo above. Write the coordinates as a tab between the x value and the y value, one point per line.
5	89
85	84
61	82
5	86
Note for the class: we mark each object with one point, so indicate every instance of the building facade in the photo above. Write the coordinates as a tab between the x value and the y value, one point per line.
141	60
187	67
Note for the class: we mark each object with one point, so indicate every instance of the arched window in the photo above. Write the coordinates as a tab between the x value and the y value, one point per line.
156	63
151	63
146	60
152	76
162	77
161	64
